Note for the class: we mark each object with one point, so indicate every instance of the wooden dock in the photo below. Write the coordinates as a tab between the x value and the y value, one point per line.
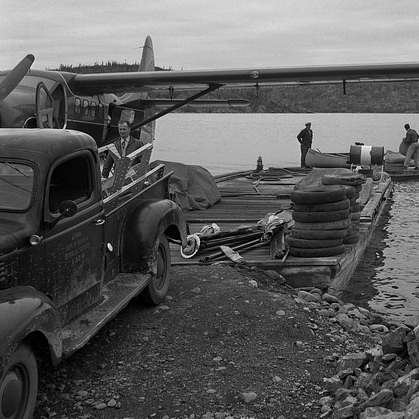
246	200
399	174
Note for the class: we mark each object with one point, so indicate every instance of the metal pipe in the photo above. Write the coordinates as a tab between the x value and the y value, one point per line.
235	248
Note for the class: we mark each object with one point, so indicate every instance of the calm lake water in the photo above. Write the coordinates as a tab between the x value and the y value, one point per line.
386	279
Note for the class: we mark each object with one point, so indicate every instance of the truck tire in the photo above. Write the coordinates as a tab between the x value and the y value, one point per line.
320	217
19	385
317	195
332	206
319	252
353	238
330	225
158	287
314	243
318	234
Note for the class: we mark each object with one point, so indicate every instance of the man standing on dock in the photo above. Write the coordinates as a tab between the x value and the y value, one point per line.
305	138
412	152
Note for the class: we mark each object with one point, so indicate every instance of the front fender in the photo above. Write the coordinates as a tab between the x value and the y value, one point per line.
142	228
24	310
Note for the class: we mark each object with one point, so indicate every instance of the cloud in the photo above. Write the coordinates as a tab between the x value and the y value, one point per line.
196	34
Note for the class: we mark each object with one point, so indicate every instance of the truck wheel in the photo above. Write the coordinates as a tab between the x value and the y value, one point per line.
19	385
157	289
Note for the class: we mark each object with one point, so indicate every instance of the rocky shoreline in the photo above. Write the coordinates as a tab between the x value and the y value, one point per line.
382	382
236	344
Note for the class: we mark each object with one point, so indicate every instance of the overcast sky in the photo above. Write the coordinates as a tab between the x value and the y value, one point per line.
197	34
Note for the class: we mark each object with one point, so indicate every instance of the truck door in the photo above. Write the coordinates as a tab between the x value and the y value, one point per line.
74	253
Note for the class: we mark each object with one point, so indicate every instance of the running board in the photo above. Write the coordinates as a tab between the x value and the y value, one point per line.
115	296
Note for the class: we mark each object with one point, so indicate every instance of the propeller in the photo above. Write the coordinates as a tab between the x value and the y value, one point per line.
15	76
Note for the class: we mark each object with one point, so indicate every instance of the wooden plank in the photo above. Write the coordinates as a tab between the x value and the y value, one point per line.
370	209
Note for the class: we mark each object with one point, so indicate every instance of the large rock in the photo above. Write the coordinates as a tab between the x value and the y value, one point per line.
378	412
345	321
394	341
379	399
332	384
310	297
404	383
345	412
413	351
353	360
363	380
412	411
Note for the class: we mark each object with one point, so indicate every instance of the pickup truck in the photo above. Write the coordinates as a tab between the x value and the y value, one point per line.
74	249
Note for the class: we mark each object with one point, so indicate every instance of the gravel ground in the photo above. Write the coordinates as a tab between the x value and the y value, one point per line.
218	347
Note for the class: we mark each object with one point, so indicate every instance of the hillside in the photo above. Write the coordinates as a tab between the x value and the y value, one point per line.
396	97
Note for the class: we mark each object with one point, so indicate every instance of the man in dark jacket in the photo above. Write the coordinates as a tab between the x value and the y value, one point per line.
412	152
124	145
305	138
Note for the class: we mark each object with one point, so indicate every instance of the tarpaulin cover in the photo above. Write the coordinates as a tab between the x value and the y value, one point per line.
191	187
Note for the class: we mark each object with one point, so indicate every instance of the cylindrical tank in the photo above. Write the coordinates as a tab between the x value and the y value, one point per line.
366	155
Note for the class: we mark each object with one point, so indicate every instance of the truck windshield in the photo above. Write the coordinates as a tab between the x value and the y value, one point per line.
16	186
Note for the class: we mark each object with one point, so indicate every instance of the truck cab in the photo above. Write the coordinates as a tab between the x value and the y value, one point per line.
74	250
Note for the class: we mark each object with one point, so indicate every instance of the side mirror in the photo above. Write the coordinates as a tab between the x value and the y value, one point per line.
67	209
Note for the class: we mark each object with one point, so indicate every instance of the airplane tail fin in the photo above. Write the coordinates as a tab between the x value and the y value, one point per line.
130	107
146	64
147	58
146	132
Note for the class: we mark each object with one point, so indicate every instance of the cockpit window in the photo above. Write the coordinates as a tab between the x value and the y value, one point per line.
16	186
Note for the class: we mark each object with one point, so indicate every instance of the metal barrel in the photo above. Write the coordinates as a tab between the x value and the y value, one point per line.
366	155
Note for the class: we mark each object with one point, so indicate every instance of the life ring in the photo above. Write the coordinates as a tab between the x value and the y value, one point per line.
331	206
313	244
328	225
320	217
319	252
318	195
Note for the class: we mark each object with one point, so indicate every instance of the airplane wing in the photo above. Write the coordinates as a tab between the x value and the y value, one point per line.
178	80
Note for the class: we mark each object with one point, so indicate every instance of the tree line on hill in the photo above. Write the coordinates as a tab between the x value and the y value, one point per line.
374	97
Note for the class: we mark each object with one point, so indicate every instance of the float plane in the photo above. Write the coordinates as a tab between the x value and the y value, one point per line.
94	103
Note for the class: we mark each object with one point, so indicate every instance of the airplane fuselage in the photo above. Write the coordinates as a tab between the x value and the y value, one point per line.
45	99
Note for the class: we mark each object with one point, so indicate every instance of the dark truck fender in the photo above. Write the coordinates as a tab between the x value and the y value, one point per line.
142	228
27	314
